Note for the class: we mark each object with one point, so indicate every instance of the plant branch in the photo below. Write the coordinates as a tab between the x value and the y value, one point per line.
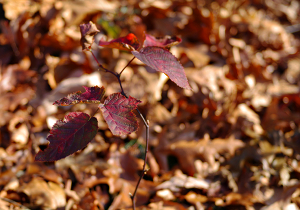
145	159
126	65
117	75
102	67
109	71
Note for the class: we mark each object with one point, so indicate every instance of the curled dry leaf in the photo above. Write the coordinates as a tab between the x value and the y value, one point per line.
88	31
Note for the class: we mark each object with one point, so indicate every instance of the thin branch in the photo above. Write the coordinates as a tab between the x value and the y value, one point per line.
109	71
95	112
102	67
14	203
133	196
126	65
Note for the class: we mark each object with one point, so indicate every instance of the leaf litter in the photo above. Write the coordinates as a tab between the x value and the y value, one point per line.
229	143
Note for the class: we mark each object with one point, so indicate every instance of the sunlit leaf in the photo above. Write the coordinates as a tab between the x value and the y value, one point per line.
92	95
117	111
166	41
127	43
162	60
69	136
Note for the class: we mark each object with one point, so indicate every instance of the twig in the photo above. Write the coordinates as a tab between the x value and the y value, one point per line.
117	75
109	71
126	65
145	159
15	203
102	67
293	28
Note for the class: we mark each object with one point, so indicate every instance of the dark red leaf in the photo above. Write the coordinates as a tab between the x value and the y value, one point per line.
162	60
166	42
88	31
92	95
117	111
69	136
128	43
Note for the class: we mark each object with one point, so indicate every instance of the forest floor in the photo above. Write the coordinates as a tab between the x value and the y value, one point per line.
232	142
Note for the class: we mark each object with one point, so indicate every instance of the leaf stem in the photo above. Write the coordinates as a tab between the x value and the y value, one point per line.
117	75
126	65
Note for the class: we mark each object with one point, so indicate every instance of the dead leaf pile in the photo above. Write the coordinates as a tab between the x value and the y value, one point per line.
232	142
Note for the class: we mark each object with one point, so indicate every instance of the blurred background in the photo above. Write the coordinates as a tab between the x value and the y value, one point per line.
230	143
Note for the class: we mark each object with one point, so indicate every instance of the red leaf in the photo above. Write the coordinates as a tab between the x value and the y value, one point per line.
128	43
69	136
166	42
87	35
117	112
92	95
162	60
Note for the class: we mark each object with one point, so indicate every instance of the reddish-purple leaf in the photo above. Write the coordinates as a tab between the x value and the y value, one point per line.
92	95
69	136
87	35
117	112
166	42
162	60
128	43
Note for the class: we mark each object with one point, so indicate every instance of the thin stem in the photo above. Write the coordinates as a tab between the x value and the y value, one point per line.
114	73
95	112
145	159
117	75
97	60
102	67
126	66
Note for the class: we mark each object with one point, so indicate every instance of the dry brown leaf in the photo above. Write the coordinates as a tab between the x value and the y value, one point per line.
122	200
242	60
180	181
43	194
